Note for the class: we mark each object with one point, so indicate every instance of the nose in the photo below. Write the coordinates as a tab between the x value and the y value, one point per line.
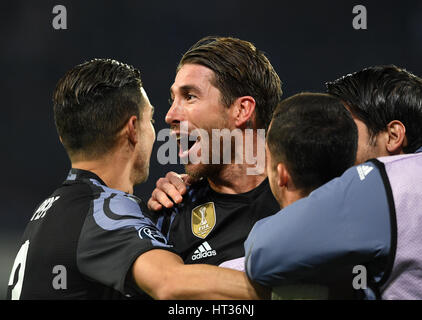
175	113
153	132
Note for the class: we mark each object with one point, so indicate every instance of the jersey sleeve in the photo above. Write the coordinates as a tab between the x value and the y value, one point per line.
344	222
114	234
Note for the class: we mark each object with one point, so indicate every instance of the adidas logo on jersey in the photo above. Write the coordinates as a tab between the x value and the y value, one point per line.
203	251
363	171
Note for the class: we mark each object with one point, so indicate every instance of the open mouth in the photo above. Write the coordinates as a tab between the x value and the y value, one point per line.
187	144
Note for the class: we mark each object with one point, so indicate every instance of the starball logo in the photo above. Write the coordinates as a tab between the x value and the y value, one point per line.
215	146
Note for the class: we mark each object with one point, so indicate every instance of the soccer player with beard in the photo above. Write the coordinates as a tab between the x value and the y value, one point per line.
221	83
91	238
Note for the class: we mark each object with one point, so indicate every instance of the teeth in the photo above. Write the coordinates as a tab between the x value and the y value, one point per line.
180	136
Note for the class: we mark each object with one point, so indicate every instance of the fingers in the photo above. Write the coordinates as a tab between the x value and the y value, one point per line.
188	180
177	181
169	190
154	205
158	200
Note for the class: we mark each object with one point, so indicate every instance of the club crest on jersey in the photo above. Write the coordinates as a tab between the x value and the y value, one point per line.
152	234
203	219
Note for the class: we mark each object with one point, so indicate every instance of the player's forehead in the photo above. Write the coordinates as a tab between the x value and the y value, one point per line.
194	77
145	96
147	108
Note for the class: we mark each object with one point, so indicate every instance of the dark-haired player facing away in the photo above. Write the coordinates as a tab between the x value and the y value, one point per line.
92	231
221	83
368	218
312	139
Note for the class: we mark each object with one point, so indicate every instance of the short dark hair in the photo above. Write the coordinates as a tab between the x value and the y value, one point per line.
315	137
240	70
92	103
381	94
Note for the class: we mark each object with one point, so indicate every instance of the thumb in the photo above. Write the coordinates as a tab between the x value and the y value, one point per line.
188	179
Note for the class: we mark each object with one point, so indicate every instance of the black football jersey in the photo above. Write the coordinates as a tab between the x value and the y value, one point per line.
210	227
81	242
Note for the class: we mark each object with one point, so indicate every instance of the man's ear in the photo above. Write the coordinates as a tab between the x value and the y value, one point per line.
283	176
132	128
396	137
243	111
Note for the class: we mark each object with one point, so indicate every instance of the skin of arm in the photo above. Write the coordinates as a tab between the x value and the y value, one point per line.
164	276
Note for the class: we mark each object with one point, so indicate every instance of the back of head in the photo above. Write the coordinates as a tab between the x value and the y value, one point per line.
240	70
92	103
381	94
315	137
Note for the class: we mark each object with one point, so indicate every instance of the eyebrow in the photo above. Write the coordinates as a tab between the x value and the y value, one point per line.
187	88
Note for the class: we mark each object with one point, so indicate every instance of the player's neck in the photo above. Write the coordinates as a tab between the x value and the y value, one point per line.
289	196
233	179
241	178
114	169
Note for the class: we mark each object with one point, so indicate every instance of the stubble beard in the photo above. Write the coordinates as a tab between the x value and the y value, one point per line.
140	170
209	170
198	171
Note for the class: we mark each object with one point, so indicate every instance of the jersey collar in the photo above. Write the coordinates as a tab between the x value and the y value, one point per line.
79	174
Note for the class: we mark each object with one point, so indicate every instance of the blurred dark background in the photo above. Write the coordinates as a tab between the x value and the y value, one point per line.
308	43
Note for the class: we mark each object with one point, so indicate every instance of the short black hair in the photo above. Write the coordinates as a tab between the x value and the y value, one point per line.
92	103
240	70
315	136
381	94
